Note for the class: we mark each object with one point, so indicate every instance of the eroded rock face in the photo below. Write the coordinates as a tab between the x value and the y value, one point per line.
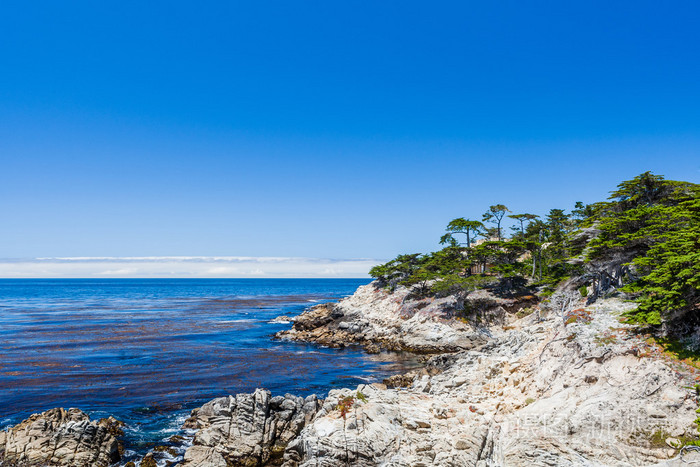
60	437
247	429
545	390
568	385
376	319
389	427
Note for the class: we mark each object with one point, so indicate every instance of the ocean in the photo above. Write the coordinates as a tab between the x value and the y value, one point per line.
147	351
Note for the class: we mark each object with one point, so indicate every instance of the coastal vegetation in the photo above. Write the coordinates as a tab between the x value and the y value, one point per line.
643	241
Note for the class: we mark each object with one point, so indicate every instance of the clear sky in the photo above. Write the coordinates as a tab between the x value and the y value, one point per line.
337	130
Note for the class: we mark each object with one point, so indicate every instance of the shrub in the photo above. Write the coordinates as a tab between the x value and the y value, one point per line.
583	290
605	339
579	315
345	404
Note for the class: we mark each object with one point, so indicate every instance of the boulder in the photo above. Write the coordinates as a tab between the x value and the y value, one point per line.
247	429
61	437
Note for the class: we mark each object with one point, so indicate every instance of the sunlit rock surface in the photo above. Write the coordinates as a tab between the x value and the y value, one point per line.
377	319
247	429
60	437
567	386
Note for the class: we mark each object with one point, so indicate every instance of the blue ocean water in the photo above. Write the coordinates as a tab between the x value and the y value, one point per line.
147	351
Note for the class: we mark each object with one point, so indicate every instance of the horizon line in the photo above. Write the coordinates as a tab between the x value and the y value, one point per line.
178	278
185	267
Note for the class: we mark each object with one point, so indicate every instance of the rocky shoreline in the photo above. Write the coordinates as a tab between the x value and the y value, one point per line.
248	429
61	437
506	382
379	320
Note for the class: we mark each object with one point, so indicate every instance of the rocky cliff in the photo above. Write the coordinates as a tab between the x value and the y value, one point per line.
61	437
377	319
507	382
577	388
513	383
247	429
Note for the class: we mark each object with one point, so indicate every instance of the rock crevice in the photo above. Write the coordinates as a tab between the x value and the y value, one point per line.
61	437
247	429
377	319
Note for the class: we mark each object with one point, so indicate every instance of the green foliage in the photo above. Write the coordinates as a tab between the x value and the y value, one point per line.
654	224
522	218
559	271
455	284
644	189
583	290
672	263
422	270
650	224
582	214
397	270
463	226
495	215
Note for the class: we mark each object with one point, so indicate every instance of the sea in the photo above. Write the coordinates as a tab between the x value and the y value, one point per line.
148	351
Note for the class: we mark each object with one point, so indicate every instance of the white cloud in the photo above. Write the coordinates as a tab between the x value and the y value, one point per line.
183	266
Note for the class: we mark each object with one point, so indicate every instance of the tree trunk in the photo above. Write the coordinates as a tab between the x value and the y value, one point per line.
539	252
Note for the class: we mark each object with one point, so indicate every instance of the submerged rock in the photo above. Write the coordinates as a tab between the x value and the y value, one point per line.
60	437
247	429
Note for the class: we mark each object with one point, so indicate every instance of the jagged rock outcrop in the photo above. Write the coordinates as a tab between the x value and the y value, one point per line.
566	385
247	429
60	437
402	428
572	389
377	319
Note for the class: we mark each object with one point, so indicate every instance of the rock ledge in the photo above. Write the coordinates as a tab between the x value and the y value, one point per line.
60	437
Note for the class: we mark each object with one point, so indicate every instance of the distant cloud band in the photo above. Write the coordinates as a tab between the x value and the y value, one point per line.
184	267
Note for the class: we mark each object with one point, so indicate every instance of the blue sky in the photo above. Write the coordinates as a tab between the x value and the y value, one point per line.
323	129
